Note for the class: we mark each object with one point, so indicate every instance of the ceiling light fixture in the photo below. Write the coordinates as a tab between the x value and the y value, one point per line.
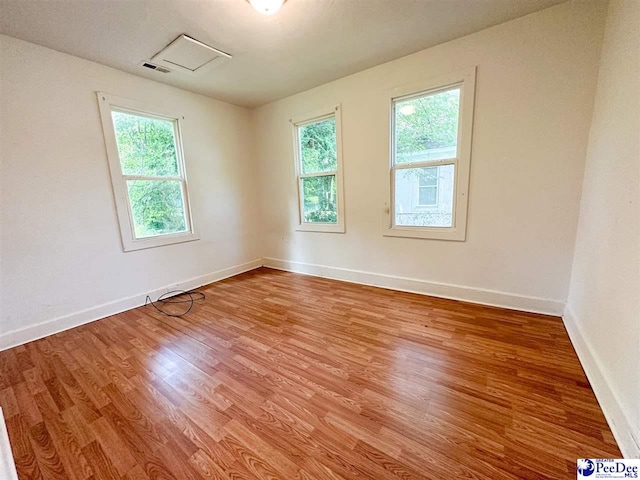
267	7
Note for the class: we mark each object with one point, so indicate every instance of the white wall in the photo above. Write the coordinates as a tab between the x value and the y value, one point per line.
535	86
603	309
60	249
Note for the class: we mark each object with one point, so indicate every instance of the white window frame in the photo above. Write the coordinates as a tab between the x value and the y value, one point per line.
108	104
298	121
462	162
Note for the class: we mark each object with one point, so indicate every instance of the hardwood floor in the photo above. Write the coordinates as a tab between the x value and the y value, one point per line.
283	376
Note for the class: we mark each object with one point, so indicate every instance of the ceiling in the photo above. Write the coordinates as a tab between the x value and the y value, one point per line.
307	43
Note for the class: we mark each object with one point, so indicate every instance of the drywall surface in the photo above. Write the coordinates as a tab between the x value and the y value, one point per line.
604	298
536	80
61	250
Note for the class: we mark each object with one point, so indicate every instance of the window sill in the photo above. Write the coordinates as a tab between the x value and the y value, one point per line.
321	227
451	234
132	245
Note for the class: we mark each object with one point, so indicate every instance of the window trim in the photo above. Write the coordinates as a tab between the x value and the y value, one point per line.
465	79
306	119
108	103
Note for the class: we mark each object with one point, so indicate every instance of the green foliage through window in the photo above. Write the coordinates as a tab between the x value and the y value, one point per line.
318	146
319	199
318	154
157	207
426	127
147	148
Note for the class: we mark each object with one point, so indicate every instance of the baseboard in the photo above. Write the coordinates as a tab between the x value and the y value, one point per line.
50	327
618	421
443	290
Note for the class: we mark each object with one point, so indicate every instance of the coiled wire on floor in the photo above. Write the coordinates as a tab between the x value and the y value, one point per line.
175	297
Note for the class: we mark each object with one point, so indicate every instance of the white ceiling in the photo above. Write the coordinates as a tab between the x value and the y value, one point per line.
307	43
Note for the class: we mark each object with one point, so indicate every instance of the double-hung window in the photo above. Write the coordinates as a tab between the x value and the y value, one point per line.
148	174
318	158
431	126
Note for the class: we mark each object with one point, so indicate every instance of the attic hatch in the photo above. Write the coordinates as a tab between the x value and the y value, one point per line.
186	54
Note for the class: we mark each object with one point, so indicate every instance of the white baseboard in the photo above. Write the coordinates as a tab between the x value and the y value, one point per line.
49	327
618	421
442	290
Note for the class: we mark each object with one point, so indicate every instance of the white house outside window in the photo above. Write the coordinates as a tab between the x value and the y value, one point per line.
428	188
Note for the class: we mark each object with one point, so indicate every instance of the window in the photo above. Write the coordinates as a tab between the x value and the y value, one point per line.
430	158
147	172
318	157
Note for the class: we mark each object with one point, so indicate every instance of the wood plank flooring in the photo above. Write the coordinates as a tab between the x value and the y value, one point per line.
282	376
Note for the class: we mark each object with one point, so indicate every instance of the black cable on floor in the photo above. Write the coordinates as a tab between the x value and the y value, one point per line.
175	297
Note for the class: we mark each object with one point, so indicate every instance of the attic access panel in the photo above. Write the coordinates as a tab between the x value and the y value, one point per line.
186	54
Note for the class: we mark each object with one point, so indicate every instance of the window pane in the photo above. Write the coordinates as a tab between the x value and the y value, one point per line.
426	128
437	211
428	196
319	199
318	146
429	177
146	146
157	206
